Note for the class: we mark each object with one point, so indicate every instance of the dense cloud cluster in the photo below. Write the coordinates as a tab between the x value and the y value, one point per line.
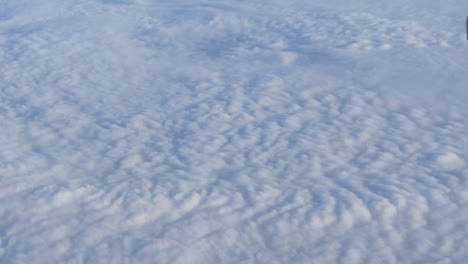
135	131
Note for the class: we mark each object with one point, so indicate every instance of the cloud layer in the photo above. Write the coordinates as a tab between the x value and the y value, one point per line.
208	132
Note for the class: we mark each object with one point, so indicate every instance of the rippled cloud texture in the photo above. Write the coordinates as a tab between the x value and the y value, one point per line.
146	131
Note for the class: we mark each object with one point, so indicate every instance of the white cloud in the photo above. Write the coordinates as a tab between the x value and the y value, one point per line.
231	132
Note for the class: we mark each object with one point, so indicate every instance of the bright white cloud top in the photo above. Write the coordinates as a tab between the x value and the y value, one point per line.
146	131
